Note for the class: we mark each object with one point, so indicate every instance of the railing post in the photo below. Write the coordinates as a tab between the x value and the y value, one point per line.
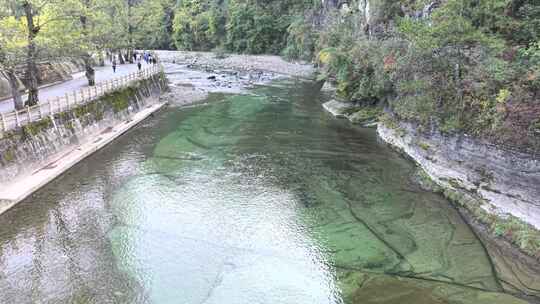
4	125
60	104
29	114
39	111
74	98
16	118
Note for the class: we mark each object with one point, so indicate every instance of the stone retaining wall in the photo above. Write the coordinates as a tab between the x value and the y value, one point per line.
35	145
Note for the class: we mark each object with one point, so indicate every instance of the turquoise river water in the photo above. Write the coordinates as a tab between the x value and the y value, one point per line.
257	198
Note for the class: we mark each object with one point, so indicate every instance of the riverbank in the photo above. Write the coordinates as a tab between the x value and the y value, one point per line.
257	184
34	155
209	61
194	75
494	189
23	186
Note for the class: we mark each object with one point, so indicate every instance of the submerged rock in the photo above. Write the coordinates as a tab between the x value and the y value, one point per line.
390	289
339	109
365	116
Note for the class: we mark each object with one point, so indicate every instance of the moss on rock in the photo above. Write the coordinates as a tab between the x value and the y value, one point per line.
365	115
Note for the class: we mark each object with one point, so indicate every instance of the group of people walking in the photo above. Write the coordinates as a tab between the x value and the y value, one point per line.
148	57
145	56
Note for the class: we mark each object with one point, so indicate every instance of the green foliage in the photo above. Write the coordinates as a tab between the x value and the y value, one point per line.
530	68
258	28
364	115
516	231
119	99
360	70
34	128
449	26
460	72
9	155
301	40
198	25
242	26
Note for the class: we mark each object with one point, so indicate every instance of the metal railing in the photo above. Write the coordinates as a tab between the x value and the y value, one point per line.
20	118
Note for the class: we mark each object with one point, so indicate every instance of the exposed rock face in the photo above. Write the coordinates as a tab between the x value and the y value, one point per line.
501	183
507	182
338	109
371	15
365	116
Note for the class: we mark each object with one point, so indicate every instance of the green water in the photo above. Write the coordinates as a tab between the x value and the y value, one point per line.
260	198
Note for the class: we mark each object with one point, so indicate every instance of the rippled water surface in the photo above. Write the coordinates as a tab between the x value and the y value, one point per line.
258	198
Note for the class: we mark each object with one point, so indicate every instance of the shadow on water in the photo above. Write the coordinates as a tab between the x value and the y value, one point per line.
257	198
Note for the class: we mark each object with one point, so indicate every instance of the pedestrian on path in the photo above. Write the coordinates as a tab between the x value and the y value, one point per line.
139	65
114	65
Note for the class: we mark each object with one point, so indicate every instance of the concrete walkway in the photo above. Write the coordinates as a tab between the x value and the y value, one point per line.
79	81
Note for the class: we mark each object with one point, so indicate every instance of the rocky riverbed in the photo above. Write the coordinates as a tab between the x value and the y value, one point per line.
494	190
193	75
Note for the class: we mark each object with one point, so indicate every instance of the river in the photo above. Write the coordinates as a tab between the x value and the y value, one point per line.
256	198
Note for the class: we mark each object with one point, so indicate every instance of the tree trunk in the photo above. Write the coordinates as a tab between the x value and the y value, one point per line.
87	58
121	58
130	55
31	73
101	59
14	87
90	72
130	3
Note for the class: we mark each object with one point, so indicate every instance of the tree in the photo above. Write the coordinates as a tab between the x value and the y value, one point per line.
20	46
31	75
28	19
85	33
153	24
12	53
92	26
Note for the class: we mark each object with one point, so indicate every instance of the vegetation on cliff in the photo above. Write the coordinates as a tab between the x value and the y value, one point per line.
468	67
456	65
